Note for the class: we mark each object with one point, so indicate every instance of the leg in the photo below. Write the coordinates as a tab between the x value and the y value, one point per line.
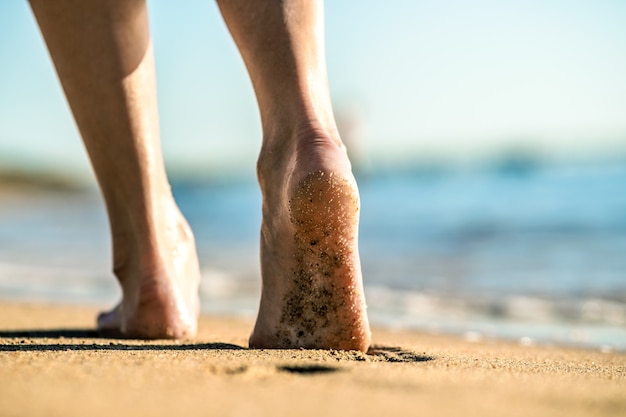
103	55
312	288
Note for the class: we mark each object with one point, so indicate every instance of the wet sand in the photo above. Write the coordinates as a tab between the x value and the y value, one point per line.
52	364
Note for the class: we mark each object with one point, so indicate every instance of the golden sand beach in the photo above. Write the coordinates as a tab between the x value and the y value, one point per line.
53	364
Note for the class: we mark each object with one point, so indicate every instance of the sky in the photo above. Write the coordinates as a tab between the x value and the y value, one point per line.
421	80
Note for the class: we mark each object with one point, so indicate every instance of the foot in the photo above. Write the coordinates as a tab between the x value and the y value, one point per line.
312	287
159	286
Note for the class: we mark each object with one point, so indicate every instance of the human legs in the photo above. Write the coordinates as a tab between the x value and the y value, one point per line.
103	56
312	293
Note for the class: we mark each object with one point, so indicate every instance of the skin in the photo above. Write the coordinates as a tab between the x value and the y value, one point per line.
312	293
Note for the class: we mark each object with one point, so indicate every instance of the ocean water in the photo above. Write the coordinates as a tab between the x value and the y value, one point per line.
524	252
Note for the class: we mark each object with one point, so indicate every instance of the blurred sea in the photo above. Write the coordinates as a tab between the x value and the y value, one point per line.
535	253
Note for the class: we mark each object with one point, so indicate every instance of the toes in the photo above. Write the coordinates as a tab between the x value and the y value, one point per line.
148	323
110	320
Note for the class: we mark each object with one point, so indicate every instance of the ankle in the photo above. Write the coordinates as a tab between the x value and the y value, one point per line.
308	146
159	278
144	249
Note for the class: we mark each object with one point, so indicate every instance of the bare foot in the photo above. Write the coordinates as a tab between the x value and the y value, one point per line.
159	287
312	287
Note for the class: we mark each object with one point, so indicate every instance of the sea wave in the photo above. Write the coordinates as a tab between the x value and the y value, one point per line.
538	255
583	321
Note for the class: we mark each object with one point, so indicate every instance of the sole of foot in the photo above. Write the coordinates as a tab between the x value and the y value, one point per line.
312	287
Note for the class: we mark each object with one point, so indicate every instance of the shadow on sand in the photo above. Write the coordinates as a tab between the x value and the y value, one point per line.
114	344
31	341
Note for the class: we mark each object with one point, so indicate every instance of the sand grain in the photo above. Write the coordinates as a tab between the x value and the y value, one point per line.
51	364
